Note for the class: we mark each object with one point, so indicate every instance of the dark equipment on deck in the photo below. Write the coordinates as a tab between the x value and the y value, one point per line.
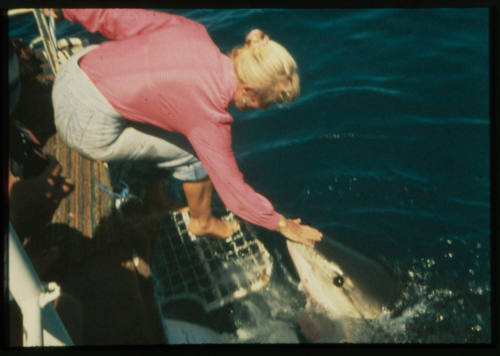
27	157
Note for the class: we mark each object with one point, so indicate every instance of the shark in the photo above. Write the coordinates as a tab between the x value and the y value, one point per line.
345	285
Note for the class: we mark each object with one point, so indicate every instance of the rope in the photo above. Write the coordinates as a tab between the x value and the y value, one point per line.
125	191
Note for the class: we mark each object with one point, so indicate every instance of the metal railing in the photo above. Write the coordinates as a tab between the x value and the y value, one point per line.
47	31
41	323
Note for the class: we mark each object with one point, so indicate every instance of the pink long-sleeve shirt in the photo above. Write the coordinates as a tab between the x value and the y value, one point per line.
165	70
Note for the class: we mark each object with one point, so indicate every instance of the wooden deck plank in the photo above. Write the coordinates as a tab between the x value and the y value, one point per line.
86	206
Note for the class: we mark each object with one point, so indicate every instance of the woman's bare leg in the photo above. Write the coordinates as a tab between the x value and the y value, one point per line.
199	198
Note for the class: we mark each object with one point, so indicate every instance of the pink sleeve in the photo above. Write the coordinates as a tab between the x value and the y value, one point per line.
213	148
121	23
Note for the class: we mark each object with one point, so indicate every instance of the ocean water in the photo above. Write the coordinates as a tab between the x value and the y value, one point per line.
386	149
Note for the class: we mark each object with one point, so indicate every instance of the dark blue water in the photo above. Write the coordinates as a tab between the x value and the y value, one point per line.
387	149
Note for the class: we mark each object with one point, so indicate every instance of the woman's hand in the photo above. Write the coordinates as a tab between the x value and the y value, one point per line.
293	230
52	13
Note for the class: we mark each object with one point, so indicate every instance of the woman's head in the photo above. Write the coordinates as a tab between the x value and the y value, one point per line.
267	73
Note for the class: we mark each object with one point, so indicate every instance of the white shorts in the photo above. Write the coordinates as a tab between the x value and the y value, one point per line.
88	123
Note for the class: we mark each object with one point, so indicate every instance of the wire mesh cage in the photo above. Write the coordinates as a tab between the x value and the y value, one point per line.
210	271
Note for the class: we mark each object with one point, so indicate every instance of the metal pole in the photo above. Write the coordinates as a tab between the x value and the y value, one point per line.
13	12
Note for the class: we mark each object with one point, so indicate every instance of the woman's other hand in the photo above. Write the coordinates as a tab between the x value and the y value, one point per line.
52	13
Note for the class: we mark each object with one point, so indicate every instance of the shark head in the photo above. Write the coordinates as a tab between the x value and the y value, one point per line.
344	281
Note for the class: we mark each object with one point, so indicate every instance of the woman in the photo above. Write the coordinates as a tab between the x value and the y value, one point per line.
162	80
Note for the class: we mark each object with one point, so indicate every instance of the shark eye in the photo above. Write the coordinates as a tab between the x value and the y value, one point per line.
338	281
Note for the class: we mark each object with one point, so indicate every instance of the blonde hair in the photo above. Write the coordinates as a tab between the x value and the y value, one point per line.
267	67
